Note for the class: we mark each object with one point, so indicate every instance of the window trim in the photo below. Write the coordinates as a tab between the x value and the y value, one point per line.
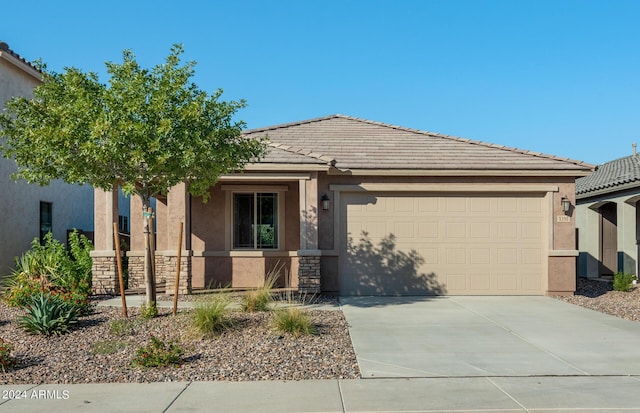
230	190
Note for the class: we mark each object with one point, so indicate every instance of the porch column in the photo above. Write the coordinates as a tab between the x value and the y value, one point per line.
177	210
309	254
104	268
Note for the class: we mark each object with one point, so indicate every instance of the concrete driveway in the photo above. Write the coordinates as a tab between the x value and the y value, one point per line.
487	337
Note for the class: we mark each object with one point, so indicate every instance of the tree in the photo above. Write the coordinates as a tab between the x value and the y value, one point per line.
146	131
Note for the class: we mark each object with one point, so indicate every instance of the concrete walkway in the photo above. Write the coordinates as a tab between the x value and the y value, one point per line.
477	394
450	354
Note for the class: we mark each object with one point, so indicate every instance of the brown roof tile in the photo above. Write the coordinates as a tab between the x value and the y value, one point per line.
353	143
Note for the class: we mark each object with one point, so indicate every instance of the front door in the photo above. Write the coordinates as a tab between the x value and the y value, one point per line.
608	239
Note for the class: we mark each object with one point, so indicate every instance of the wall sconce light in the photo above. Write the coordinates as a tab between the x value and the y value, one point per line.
566	204
325	202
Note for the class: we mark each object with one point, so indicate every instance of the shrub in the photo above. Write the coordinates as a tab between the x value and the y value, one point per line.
48	315
259	300
212	316
121	328
51	268
7	362
159	354
293	320
149	311
623	281
107	347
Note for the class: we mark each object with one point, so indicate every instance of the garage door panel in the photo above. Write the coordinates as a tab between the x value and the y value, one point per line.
435	244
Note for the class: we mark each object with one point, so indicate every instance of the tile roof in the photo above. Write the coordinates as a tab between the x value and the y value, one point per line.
611	176
353	143
4	47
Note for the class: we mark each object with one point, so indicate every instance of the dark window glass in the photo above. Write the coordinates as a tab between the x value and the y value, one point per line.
46	219
255	220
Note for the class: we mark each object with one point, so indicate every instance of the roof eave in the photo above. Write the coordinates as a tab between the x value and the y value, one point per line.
26	68
608	190
459	172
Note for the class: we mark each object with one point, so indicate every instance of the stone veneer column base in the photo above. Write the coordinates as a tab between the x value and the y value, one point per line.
309	274
104	273
136	271
166	270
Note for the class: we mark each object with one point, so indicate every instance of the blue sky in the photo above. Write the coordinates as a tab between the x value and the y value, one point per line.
560	77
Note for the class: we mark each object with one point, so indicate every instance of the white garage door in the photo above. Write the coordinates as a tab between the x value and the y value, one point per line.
421	244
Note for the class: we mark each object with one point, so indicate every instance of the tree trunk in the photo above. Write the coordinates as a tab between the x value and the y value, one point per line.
149	276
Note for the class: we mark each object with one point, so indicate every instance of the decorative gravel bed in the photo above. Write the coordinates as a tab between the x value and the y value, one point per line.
95	353
599	296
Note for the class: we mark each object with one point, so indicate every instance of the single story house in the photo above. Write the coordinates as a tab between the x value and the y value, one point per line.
608	218
31	211
349	206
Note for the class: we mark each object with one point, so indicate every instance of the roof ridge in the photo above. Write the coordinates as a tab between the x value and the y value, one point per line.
289	124
470	141
304	152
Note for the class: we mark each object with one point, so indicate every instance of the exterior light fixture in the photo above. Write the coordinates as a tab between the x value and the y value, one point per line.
566	204
325	202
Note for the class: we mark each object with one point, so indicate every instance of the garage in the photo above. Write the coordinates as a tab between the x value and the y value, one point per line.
396	243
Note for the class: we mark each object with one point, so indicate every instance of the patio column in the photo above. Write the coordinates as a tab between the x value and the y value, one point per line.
104	268
177	211
309	254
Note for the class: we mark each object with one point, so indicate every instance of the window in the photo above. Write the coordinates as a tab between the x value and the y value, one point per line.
46	219
255	220
123	224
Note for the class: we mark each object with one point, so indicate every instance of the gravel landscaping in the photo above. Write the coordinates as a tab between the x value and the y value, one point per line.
101	348
101	351
599	296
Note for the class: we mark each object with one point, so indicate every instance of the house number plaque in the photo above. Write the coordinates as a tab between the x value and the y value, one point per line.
564	218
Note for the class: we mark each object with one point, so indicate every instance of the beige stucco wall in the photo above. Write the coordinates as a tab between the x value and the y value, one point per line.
215	265
588	224
20	206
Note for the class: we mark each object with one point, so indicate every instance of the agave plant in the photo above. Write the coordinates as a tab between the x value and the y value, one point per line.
48	315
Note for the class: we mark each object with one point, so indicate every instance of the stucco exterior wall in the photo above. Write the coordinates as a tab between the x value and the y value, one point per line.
588	226
72	206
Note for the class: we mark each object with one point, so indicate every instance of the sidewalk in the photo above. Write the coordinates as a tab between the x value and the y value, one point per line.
522	394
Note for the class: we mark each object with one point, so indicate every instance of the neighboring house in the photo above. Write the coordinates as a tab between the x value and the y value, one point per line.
30	211
350	206
608	218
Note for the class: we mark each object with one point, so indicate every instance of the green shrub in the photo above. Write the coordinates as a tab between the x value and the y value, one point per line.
51	268
293	320
121	328
623	281
148	311
107	347
212	316
48	315
7	362
259	300
159	354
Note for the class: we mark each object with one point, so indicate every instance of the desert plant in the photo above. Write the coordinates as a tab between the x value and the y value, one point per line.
212	316
51	268
149	311
293	320
7	361
623	281
259	299
159	354
107	346
121	328
48	315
